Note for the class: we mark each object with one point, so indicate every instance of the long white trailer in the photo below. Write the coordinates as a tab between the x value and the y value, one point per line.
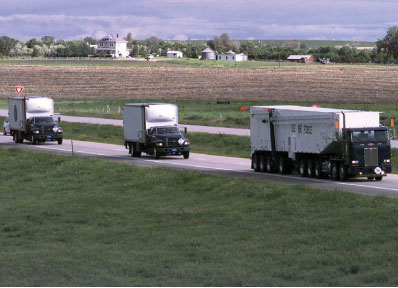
319	142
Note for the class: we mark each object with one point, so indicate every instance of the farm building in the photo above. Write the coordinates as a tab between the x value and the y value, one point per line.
300	58
232	56
208	54
174	54
114	46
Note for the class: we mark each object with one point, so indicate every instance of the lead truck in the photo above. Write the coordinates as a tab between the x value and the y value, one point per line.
31	118
152	128
319	142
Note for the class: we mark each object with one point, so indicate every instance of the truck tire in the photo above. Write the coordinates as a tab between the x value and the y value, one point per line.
4	132
59	141
255	162
310	168
185	154
303	168
270	165
283	165
318	169
135	153
342	172
335	171
262	163
34	141
156	154
379	178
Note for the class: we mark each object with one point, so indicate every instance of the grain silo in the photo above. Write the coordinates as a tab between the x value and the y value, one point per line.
208	54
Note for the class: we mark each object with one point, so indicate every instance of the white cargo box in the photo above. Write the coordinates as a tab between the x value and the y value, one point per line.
304	129
138	117
21	109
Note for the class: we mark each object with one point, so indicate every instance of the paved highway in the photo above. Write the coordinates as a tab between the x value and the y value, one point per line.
238	167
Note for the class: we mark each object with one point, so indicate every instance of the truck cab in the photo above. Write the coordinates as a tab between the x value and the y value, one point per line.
167	140
369	152
44	129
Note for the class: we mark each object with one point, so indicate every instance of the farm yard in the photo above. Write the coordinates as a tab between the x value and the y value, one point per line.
318	83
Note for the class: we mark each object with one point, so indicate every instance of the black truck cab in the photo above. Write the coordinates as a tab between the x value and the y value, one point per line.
167	140
43	129
369	152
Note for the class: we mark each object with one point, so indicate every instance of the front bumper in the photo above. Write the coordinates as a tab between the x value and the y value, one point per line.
369	171
50	137
172	150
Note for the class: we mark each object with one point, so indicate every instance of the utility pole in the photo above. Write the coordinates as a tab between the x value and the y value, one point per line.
279	55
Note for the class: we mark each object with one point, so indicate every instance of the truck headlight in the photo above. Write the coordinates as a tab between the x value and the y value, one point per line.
159	144
187	143
387	161
60	130
36	131
354	162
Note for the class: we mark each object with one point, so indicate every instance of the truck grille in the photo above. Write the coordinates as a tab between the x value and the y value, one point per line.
371	156
172	142
48	130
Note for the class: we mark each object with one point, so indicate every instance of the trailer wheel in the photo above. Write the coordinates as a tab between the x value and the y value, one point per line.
303	168
262	163
283	163
310	168
335	171
343	172
135	153
318	169
255	162
270	165
379	178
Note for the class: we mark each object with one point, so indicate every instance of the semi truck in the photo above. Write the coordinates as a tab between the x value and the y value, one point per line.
31	119
152	128
319	142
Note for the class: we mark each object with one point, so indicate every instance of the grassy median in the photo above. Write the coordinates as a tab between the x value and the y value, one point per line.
70	221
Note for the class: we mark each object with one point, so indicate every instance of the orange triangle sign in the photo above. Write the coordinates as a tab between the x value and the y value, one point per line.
19	90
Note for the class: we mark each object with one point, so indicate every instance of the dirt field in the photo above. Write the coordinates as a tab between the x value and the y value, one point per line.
340	83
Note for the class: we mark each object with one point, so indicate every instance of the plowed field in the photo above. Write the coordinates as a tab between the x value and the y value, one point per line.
340	83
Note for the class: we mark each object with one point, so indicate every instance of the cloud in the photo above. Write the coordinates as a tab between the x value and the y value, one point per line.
184	19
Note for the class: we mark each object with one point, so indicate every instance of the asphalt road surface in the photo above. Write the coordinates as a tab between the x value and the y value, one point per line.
237	167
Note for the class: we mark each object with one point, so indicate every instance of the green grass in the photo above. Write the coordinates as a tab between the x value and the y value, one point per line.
199	112
70	221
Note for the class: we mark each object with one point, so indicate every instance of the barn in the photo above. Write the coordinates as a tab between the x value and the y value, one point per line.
174	54
232	56
301	58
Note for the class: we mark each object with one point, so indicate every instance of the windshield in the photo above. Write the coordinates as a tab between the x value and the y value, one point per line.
167	130
44	120
369	135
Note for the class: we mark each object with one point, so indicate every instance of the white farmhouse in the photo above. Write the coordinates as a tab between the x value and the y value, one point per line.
111	45
232	56
174	54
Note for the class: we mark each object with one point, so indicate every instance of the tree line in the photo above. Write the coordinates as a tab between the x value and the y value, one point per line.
386	50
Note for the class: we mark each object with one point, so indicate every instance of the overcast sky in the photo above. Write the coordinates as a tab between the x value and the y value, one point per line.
199	19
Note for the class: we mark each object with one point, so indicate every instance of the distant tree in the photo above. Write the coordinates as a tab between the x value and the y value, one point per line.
48	40
6	44
129	40
32	42
225	40
90	40
389	44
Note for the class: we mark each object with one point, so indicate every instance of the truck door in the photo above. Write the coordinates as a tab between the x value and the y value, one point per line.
260	130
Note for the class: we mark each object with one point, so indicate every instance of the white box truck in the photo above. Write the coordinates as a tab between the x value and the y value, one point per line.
319	142
152	128
31	118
